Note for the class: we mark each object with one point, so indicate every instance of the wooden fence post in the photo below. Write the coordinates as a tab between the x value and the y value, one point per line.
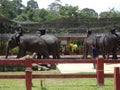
100	71
28	63
116	78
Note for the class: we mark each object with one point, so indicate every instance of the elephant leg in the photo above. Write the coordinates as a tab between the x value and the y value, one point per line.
45	54
7	52
21	53
38	56
104	56
57	55
107	55
114	55
44	57
86	52
54	55
102	50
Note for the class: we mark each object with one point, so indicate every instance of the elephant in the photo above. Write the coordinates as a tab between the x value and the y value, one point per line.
90	41
109	44
53	45
27	43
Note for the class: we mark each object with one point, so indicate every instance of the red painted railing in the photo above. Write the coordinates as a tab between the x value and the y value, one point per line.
116	78
28	63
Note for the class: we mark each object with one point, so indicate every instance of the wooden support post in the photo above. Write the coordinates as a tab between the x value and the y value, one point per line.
28	76
116	78
100	71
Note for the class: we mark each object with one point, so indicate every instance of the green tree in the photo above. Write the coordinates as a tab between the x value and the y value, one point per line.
54	8
69	11
86	12
6	8
22	17
40	15
32	4
112	13
18	7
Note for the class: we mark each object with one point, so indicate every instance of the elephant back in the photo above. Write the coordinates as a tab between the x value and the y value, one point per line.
30	40
50	39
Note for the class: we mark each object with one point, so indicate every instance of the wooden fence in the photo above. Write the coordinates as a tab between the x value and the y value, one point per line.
29	76
117	78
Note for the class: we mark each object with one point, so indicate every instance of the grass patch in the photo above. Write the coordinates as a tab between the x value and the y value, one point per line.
54	84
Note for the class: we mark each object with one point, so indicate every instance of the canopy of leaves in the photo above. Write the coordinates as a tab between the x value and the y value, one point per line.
57	15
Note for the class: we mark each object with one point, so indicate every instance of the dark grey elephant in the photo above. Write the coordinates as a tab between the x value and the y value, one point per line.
109	44
27	43
53	45
88	43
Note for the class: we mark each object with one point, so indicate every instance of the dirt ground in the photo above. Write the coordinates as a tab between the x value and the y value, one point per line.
76	68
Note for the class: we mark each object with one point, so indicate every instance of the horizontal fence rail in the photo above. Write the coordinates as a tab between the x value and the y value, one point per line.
52	61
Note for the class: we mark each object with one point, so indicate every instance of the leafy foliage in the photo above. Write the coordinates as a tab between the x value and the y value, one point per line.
32	4
57	15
